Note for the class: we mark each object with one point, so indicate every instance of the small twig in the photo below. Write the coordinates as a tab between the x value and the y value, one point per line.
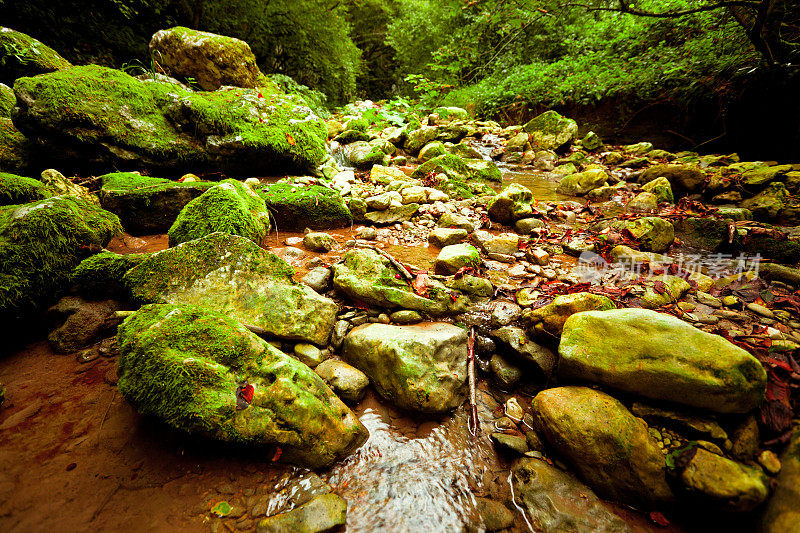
474	423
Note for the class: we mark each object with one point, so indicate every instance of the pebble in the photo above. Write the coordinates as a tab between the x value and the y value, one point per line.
760	310
309	354
405	316
769	462
514	409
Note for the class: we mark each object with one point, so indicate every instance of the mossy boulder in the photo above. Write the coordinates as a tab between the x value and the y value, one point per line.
211	60
230	207
366	276
326	512
92	116
232	275
653	233
556	501
186	365
41	242
147	205
363	155
22	55
511	204
100	276
706	233
721	483
421	367
15	148
550	130
296	206
682	177
431	150
7	100
762	176
670	289
768	204
609	447
459	177
670	360
661	188
582	182
417	138
456	256
20	190
550	319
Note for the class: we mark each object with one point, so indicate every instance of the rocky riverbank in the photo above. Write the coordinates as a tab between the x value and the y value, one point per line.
293	290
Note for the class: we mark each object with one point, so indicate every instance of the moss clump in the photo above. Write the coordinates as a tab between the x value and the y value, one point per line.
465	177
147	205
40	244
106	116
297	206
184	364
230	207
22	55
19	189
100	276
14	146
7	101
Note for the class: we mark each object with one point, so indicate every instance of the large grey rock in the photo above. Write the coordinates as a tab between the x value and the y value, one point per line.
211	60
556	502
231	274
669	360
194	369
421	367
609	447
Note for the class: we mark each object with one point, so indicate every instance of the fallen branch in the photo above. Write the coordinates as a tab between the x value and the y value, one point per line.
397	264
474	423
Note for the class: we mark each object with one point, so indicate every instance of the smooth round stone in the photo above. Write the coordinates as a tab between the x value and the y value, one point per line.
346	381
309	354
405	316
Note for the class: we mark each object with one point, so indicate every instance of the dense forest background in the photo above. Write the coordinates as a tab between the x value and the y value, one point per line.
703	74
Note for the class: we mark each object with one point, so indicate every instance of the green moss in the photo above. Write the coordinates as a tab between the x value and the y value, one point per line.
183	265
14	146
296	206
465	177
183	364
100	276
229	207
165	126
40	244
19	189
7	101
22	55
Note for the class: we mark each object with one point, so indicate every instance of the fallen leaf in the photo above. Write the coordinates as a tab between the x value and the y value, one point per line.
290	139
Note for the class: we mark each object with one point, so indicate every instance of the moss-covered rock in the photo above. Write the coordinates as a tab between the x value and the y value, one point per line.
7	100
96	116
556	501
768	204
147	205
706	233
15	148
653	233
417	138
550	130
230	207
463	177
327	512
670	360
211	60
366	276
363	155
231	274
782	513
456	256
661	188
187	366
511	204
582	182
670	289
682	177
762	176
609	447
296	206
100	276
550	319
20	190
722	483
41	242
22	55
421	367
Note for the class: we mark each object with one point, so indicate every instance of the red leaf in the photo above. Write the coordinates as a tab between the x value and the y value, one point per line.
277	455
659	519
420	285
290	139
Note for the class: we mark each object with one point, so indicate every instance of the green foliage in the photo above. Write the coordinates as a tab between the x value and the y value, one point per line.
316	100
100	276
19	189
505	57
